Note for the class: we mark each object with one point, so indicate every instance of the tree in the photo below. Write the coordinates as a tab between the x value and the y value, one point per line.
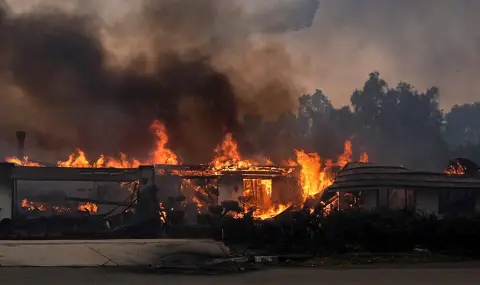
400	125
368	101
463	125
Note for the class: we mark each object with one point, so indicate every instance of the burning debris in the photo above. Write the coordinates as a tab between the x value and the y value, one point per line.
43	207
455	169
255	191
88	207
463	166
31	206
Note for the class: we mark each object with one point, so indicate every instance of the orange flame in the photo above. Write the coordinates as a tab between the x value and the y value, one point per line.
162	213
78	159
21	162
258	195
456	169
313	178
364	157
88	207
257	192
316	176
31	206
228	156
346	156
161	154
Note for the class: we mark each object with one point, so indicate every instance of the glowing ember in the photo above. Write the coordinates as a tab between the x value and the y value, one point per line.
28	205
60	209
187	185
35	206
455	169
31	206
88	207
162	213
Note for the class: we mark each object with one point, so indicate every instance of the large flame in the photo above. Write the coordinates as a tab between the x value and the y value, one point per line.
257	193
159	155
315	173
228	156
313	178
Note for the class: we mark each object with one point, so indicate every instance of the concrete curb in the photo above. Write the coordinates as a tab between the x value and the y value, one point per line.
94	253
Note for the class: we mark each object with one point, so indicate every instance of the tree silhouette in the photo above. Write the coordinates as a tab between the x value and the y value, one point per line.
400	126
463	125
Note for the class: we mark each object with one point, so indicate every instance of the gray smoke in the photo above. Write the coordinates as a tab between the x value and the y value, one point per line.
422	42
75	74
95	73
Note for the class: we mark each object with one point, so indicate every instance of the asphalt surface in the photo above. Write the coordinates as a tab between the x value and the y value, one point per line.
457	275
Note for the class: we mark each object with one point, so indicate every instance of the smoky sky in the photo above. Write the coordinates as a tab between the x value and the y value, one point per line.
94	74
422	42
73	79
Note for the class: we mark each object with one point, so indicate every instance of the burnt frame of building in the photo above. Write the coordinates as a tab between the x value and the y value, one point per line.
147	176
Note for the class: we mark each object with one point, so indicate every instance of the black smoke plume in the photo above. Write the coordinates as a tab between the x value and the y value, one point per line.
72	80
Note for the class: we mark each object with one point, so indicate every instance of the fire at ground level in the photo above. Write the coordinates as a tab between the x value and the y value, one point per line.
111	200
178	192
277	209
260	188
118	195
154	201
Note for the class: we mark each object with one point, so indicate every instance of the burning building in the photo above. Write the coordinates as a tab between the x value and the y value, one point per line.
108	184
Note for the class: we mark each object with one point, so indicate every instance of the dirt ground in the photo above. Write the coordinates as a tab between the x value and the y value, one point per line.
413	275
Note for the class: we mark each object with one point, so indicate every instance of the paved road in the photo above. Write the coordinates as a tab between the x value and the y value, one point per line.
287	276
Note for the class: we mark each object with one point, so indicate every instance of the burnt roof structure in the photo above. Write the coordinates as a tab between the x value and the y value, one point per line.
369	176
206	171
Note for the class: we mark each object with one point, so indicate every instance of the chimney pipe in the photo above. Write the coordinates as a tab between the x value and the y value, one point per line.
21	143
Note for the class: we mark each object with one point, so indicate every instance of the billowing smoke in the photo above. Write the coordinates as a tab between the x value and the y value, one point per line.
73	75
94	74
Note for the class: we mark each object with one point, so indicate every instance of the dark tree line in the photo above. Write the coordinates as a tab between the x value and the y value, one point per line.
398	125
